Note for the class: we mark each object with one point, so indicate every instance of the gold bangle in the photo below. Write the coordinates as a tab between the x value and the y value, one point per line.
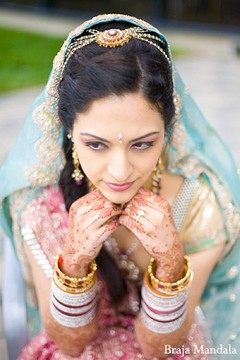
168	287
150	287
70	290
74	282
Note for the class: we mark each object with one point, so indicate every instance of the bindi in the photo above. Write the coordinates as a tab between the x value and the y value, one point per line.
120	137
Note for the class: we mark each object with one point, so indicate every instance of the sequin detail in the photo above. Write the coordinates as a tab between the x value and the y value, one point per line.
193	168
48	150
183	200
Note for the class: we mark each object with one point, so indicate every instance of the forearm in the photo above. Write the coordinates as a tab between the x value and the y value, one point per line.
165	317
71	340
73	304
153	344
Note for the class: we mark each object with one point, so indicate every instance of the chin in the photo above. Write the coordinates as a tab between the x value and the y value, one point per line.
119	197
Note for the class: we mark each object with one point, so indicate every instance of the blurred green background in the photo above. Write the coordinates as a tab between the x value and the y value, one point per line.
25	58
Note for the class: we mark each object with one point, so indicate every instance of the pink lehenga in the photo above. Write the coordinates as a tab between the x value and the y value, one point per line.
115	338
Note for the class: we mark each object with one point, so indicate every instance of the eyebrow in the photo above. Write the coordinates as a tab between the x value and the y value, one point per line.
146	135
133	140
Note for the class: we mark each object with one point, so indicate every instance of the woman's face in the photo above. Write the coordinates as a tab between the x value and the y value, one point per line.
119	140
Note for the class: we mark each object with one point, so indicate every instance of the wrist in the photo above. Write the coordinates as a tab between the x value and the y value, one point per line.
74	266
170	287
169	272
73	301
163	312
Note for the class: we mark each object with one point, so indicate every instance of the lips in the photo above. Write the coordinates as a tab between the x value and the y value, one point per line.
120	187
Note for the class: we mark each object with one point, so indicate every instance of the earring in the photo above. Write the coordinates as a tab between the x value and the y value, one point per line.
77	174
156	177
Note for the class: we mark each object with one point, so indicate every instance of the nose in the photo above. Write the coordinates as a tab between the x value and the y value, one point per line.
120	167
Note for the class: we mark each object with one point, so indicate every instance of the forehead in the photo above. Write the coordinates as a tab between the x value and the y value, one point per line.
130	113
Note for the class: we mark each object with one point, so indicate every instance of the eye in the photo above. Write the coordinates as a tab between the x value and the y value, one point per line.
143	145
96	145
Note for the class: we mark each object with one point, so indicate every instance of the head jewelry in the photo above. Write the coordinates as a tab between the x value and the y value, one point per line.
113	38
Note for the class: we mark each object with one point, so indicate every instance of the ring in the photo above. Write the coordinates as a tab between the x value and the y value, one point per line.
140	213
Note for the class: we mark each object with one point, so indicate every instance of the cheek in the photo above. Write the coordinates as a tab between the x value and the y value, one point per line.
145	166
84	157
154	156
87	165
91	164
152	160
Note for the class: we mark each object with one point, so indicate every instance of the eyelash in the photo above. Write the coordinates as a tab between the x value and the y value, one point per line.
91	145
147	145
98	146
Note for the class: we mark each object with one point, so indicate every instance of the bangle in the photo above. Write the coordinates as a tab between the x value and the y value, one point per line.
73	309
162	314
69	290
73	301
170	288
158	298
73	284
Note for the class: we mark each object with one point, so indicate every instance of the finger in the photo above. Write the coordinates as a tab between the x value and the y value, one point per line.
137	213
153	201
107	229
135	227
87	200
98	204
151	222
140	232
144	230
97	239
95	219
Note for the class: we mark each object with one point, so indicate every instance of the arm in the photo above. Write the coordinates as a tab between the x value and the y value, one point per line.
70	340
161	240
82	243
153	344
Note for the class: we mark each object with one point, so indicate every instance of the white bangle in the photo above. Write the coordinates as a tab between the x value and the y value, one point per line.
163	314
73	299
162	327
167	302
73	310
73	321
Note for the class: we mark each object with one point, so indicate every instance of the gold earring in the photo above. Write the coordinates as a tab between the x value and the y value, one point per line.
77	174
156	177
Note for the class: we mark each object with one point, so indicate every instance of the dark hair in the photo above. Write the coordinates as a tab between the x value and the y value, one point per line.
94	72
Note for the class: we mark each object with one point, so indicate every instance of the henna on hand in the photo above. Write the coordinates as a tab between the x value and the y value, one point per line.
92	219
157	233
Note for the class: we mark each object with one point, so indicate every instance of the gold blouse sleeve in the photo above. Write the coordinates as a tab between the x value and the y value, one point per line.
203	226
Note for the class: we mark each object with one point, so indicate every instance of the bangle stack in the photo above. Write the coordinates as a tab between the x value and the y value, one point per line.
164	305
73	300
167	287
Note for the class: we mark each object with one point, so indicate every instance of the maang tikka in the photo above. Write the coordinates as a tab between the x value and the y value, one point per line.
112	38
77	175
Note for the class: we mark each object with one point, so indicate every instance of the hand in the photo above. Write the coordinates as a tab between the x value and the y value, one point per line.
92	219
156	231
